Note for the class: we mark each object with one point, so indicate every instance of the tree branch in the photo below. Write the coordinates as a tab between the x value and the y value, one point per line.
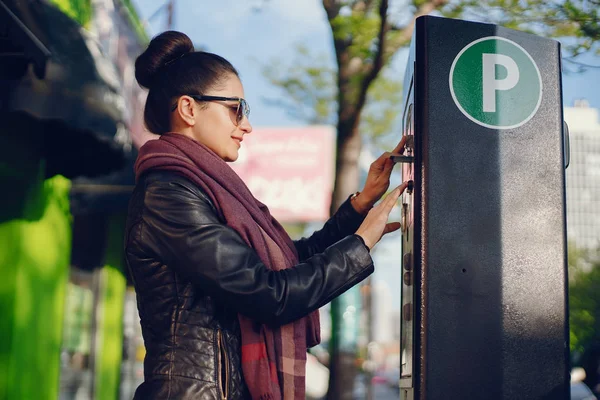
375	68
405	32
363	6
387	48
332	8
572	61
368	5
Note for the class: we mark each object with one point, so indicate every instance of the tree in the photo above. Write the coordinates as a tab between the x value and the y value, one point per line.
366	34
584	23
584	299
309	85
584	312
364	40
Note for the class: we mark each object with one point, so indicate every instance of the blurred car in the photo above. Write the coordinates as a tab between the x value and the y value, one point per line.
580	391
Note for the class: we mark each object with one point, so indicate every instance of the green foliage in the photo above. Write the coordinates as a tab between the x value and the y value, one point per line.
384	102
575	22
308	86
309	89
584	299
79	10
361	29
584	23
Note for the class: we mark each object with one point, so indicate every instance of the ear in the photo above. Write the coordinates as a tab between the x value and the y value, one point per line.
186	110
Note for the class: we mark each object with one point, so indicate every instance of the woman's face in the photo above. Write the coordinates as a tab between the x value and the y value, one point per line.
216	126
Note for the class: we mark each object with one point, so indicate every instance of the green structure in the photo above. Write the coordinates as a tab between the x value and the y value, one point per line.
61	313
35	263
112	295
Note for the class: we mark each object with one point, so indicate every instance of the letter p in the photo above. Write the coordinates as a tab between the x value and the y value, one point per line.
491	84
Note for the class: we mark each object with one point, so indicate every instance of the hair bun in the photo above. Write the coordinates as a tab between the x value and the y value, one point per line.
166	47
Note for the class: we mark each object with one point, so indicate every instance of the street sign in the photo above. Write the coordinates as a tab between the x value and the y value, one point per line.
496	83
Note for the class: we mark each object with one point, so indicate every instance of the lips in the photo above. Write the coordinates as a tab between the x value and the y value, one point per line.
238	139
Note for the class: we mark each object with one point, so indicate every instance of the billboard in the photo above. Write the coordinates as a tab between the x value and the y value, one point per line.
291	170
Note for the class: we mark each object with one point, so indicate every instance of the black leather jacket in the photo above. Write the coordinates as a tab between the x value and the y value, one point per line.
193	275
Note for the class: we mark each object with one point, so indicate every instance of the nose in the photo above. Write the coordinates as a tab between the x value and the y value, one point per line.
245	125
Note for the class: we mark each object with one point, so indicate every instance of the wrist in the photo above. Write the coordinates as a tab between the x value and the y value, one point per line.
360	204
363	241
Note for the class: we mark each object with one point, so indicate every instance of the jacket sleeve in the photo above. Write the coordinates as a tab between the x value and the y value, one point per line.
344	222
182	229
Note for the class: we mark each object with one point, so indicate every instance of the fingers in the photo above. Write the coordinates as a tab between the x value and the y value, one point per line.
390	200
382	161
400	147
375	224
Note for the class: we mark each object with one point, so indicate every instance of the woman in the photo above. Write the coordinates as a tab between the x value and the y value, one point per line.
228	303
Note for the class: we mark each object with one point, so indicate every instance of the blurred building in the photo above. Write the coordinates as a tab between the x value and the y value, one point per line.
69	114
583	175
71	120
395	318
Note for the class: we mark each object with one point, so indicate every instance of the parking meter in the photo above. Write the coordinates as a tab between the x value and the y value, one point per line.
484	287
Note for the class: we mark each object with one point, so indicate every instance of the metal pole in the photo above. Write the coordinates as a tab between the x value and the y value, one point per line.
170	13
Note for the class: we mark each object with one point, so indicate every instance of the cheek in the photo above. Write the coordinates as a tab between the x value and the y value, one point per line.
218	139
214	130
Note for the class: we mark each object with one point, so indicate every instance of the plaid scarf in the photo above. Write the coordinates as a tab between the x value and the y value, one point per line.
273	358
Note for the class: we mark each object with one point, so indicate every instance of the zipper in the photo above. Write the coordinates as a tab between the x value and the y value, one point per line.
223	367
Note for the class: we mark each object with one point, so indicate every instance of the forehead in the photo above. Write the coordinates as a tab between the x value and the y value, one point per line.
230	86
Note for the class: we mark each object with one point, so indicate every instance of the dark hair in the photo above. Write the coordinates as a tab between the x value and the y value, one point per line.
170	68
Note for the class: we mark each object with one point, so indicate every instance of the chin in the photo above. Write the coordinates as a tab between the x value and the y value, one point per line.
230	157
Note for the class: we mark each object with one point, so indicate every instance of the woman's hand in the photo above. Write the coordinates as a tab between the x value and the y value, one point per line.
378	180
375	224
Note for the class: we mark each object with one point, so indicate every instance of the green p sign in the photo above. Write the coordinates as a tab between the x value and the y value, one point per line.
496	83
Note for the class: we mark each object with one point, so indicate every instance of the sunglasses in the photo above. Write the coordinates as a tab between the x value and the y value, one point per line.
243	109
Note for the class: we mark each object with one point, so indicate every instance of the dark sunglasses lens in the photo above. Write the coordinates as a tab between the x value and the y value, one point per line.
239	115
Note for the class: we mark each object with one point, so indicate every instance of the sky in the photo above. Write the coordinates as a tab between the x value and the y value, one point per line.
250	40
